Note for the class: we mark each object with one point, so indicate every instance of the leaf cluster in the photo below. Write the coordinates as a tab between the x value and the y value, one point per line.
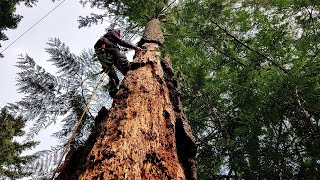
59	97
252	120
11	162
127	15
137	12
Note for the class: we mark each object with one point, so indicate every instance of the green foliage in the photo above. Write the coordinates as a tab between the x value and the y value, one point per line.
127	15
251	119
51	96
11	161
136	12
59	97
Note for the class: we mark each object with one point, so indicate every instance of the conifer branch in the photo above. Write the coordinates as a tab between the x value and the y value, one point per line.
247	46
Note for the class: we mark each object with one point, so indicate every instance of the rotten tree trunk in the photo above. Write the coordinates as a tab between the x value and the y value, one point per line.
145	135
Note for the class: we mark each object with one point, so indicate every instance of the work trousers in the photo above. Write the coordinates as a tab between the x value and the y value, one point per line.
112	56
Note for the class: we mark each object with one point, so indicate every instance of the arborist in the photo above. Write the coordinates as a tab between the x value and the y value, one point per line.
109	54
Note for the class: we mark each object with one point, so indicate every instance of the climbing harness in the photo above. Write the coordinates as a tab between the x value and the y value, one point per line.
104	74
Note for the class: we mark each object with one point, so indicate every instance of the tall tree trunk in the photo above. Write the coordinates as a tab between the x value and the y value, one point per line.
145	135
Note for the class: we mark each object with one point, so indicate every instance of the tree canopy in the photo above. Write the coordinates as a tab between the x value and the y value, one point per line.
250	80
11	162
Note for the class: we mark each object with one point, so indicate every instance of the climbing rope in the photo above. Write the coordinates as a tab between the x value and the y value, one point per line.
104	74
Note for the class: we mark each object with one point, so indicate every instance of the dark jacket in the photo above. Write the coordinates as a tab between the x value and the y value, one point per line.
112	40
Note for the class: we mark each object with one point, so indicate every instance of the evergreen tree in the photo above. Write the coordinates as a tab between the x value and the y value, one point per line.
9	20
50	96
63	95
11	162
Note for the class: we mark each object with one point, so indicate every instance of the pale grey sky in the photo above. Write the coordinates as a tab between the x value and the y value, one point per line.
61	23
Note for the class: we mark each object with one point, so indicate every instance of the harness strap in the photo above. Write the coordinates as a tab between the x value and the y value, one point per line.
107	41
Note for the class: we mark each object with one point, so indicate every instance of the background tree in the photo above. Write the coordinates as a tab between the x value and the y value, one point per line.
49	96
9	20
58	97
249	75
12	164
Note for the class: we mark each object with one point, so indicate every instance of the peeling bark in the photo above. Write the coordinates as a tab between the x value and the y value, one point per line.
76	158
146	134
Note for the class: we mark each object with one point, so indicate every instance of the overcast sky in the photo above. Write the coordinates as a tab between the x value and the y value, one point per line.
61	23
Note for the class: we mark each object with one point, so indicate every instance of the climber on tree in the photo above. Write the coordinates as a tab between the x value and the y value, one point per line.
109	54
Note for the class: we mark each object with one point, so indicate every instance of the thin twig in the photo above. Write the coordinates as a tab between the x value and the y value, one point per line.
82	93
149	18
164	9
302	109
248	47
229	56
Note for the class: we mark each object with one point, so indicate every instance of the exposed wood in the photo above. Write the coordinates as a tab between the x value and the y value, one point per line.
145	134
153	32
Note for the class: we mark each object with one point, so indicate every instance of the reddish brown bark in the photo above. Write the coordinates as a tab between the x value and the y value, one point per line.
145	135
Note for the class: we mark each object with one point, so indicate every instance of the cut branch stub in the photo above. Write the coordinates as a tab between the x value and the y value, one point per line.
153	32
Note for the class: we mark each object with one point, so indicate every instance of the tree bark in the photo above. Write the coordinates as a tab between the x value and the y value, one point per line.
145	135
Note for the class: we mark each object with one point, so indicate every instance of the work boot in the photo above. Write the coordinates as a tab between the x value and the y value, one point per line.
113	92
136	65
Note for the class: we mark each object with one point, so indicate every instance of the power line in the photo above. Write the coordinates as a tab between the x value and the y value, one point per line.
33	26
